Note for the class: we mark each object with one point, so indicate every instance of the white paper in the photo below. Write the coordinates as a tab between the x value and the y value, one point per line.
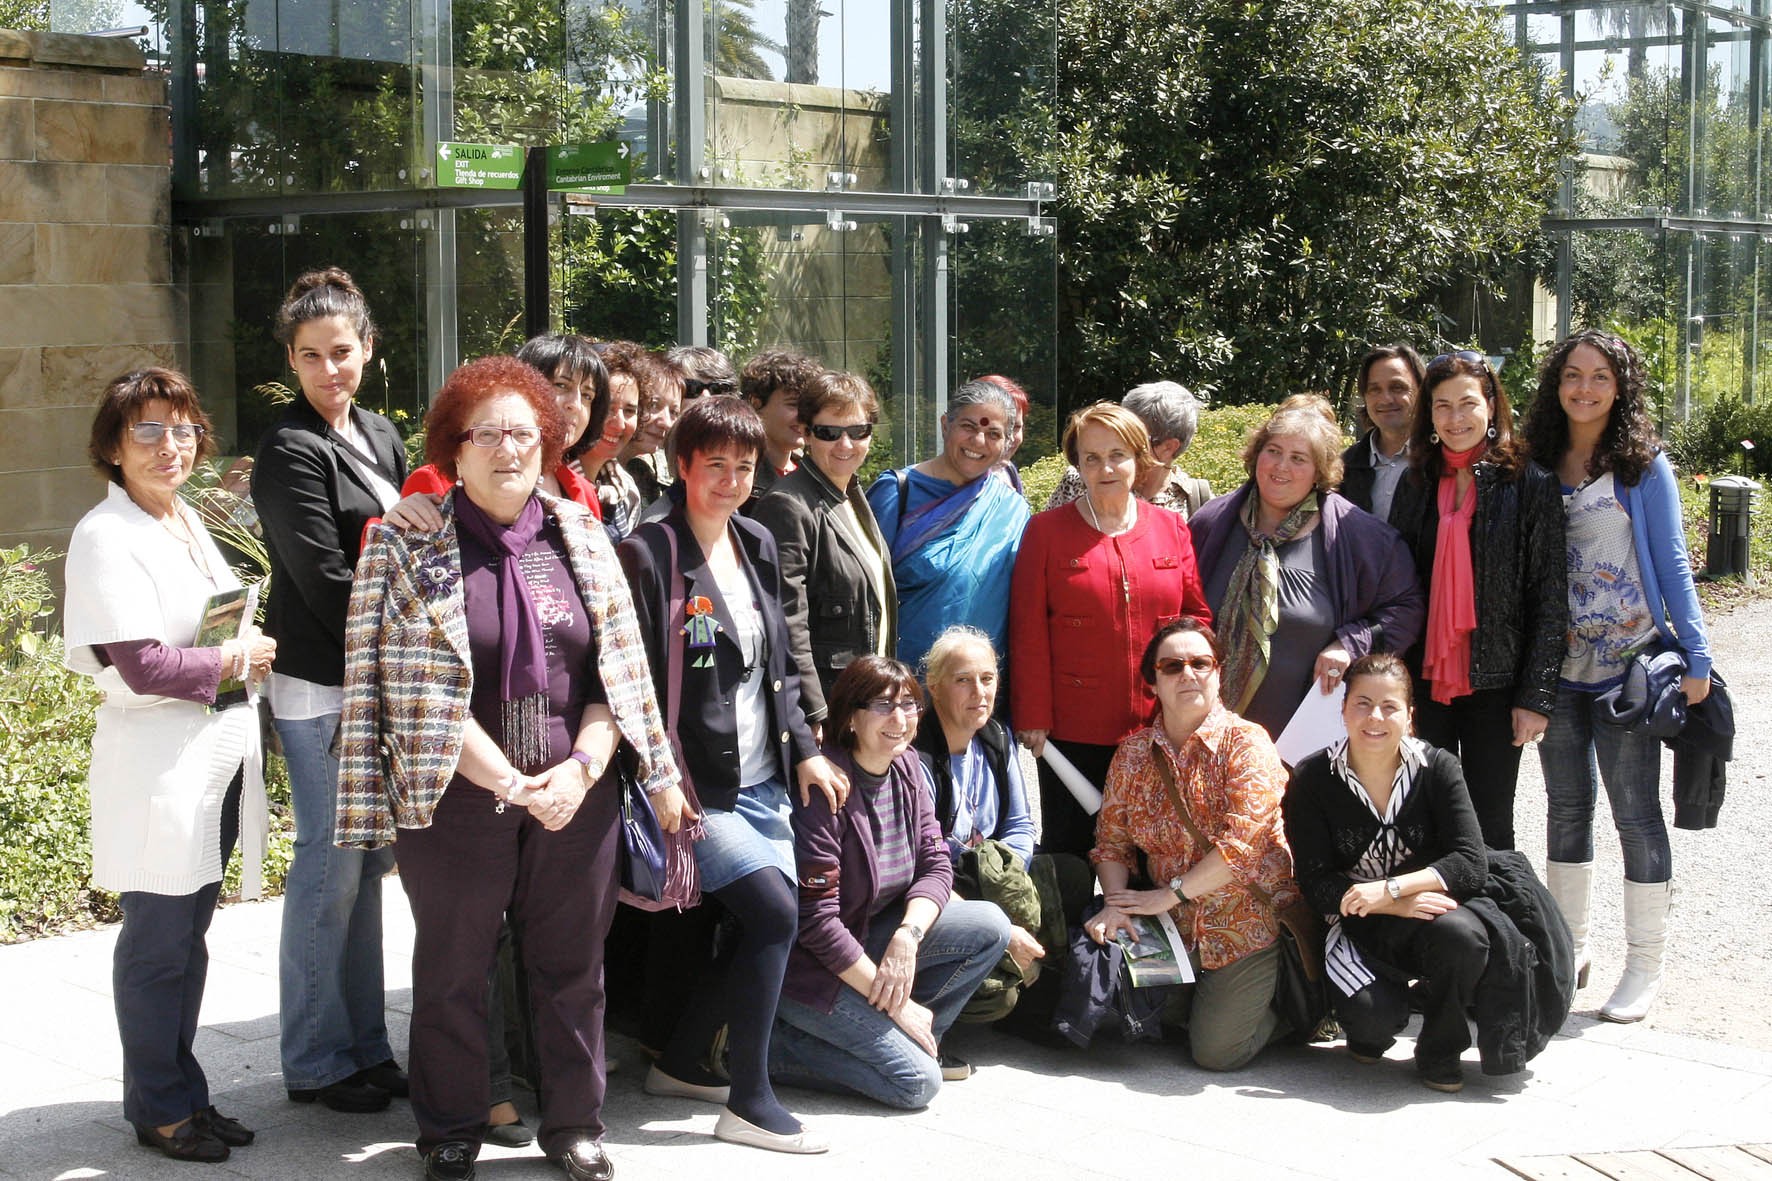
1080	788
1315	724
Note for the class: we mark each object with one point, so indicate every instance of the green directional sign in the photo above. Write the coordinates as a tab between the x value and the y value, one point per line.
479	166
590	168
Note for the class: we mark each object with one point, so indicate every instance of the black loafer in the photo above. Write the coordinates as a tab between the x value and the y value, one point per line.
452	1160
389	1077
348	1095
584	1161
186	1143
214	1124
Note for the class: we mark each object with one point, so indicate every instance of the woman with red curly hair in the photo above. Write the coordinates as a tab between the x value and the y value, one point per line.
494	667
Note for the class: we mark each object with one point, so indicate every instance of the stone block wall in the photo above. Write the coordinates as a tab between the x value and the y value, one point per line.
86	288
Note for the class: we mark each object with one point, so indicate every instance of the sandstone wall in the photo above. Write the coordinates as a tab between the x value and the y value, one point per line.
85	273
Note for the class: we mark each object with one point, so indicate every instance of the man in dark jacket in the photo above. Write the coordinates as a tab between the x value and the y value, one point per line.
1390	379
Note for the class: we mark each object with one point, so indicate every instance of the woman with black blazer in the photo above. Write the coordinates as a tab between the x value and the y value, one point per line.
710	581
321	473
836	570
1485	526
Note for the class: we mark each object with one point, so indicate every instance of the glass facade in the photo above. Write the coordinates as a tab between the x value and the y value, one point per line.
857	179
1663	225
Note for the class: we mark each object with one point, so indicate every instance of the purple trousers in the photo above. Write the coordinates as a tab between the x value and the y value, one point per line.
462	875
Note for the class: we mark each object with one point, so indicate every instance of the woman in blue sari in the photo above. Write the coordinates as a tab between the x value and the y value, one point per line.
954	523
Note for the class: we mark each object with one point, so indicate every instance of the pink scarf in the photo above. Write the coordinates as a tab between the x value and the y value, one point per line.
1452	602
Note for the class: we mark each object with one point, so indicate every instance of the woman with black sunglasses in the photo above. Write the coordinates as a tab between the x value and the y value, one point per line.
1485	525
836	572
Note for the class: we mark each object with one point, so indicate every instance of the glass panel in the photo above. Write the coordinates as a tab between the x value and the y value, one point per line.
1004	321
1002	59
1544	31
238	281
617	278
798	90
1723	116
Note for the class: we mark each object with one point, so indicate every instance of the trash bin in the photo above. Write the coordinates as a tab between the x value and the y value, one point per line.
1731	511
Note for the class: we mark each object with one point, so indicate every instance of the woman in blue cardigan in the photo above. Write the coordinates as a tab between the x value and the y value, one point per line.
1629	583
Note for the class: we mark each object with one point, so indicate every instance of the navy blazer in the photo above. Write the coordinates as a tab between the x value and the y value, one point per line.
314	505
706	727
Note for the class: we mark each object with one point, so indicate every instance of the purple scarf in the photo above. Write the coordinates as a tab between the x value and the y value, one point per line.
522	657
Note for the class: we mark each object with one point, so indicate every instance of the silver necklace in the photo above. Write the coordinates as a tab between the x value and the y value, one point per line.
1127	519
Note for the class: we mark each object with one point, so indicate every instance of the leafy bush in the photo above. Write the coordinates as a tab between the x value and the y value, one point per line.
46	717
1710	440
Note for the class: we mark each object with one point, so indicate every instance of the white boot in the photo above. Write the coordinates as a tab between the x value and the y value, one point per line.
1571	883
1645	932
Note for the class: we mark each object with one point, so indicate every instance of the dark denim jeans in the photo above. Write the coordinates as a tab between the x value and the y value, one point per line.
1579	753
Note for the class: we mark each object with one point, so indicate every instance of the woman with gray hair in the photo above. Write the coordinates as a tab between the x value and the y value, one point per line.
953	524
1171	414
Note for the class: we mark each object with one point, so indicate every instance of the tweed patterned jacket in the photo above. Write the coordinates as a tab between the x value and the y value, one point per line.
409	678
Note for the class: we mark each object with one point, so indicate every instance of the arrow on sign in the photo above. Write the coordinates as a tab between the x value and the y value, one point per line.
444	151
622	151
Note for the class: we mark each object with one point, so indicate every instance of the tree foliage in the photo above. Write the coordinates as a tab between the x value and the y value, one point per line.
1249	192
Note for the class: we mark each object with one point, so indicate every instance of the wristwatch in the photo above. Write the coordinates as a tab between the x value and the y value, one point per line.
916	931
1175	888
593	770
1393	889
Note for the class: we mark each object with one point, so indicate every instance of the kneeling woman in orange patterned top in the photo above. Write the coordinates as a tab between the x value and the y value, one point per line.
1199	793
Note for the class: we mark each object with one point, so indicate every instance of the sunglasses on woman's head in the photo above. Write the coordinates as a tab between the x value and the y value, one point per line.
824	432
1467	355
1171	666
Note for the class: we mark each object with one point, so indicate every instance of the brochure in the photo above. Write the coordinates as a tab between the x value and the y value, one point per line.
1157	955
225	615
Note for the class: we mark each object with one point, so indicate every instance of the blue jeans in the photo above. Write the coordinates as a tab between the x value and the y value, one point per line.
330	973
1577	754
855	1047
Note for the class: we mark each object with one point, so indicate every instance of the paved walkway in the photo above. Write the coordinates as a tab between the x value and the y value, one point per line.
1029	1112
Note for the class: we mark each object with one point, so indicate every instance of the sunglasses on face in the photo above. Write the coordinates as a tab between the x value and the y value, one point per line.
824	432
694	387
885	707
1173	665
149	433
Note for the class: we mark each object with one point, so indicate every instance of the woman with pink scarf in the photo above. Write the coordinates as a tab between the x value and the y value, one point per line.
1486	527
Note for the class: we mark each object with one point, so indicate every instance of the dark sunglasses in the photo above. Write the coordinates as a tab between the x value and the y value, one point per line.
824	432
1468	355
1171	666
694	387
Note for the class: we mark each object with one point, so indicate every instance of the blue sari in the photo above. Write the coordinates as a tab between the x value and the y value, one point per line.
953	552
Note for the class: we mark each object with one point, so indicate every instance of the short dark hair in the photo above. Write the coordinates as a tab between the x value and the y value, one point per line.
567	355
1382	664
773	370
471	385
860	682
715	424
120	407
835	390
703	370
1147	664
1389	352
319	295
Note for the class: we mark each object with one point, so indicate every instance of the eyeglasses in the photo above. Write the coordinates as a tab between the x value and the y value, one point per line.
824	432
885	707
694	387
522	437
185	434
1171	666
1469	355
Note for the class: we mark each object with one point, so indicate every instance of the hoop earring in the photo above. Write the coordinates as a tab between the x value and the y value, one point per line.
1434	438
1491	430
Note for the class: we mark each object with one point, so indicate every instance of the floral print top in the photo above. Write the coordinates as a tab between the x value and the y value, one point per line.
1231	779
1609	617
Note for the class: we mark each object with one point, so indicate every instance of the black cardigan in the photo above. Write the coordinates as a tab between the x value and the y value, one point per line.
706	726
314	504
828	596
1330	829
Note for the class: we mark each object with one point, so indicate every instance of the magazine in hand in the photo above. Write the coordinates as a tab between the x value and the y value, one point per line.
225	616
1157	955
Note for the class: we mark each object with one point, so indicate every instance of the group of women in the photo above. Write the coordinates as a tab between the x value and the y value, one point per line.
465	688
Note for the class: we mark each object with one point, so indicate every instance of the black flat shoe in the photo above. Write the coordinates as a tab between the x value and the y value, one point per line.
584	1160
389	1077
185	1143
452	1160
217	1126
348	1095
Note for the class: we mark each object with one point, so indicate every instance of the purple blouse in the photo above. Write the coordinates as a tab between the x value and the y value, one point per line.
153	669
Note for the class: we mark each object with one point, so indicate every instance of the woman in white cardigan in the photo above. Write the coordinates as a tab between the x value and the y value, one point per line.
174	781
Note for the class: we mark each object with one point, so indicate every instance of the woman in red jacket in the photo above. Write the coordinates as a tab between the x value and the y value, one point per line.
1094	579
